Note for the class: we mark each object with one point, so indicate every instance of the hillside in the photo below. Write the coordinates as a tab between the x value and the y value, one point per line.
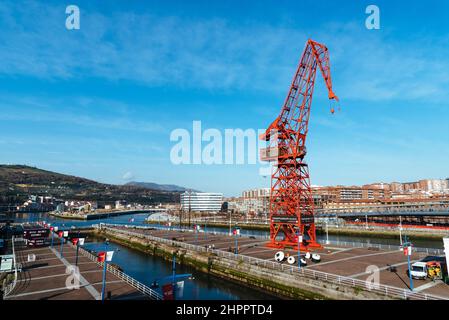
156	186
19	181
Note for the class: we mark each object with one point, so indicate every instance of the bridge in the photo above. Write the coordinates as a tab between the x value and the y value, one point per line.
430	214
413	209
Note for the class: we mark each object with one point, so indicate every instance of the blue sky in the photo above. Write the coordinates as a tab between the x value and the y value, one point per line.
100	102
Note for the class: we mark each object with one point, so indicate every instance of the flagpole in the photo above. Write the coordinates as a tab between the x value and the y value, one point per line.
77	249
104	279
408	245
62	246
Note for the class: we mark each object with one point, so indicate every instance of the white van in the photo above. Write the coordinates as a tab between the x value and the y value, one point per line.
419	270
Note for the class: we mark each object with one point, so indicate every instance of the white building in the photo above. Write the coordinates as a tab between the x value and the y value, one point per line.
434	185
201	201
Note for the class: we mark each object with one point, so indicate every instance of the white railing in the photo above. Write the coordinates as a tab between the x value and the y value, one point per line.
10	287
312	274
354	244
123	276
434	251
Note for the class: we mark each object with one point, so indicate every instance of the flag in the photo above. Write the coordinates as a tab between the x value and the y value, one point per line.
408	251
167	291
81	241
109	255
66	234
179	289
75	241
60	234
101	256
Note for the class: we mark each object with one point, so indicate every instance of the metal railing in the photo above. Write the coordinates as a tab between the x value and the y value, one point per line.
354	244
123	276
382	289
10	287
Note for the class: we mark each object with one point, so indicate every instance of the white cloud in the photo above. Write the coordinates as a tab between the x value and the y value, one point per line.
128	176
215	54
108	114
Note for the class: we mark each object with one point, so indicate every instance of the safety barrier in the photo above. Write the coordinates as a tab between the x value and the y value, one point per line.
352	244
10	287
382	289
123	276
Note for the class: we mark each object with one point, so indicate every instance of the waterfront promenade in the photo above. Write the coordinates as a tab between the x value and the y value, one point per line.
46	278
339	264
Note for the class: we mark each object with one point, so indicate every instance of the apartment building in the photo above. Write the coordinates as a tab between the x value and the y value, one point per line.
201	201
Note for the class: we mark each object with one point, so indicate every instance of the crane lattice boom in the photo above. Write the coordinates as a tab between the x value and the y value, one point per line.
291	201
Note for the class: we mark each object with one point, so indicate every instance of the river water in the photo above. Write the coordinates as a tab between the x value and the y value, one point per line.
147	268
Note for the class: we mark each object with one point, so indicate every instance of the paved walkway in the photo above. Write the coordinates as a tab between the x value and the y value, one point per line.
49	277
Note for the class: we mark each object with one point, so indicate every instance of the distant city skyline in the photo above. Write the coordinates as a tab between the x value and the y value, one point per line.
101	102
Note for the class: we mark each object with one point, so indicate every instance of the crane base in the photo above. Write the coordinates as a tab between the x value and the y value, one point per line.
291	245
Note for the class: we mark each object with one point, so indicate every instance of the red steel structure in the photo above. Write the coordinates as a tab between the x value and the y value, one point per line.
291	202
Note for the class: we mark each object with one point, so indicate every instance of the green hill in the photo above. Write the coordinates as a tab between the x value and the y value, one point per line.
19	181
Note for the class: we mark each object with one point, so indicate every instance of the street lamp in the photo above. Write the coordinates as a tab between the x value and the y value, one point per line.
299	250
236	233
52	236
104	257
61	236
407	247
77	242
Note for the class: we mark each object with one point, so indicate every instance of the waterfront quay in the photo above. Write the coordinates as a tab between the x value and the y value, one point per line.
49	277
342	272
102	214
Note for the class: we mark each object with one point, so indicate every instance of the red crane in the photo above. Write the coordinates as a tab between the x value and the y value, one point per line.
291	201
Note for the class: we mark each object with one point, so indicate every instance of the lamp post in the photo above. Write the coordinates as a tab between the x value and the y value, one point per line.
61	236
299	250
174	275
104	257
400	230
407	247
52	236
327	231
236	232
79	242
103	287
